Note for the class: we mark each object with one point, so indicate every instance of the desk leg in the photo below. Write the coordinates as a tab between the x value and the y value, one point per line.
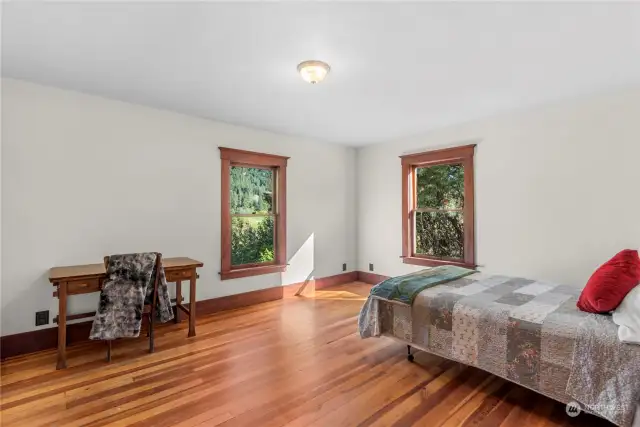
178	317
62	325
192	305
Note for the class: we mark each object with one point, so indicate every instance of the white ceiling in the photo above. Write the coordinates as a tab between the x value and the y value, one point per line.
397	69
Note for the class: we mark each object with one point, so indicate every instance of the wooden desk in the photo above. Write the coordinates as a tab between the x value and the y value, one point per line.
82	279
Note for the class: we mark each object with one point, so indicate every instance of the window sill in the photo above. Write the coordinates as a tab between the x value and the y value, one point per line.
430	262
251	271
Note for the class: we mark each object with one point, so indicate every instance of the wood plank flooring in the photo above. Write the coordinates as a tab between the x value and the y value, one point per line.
293	362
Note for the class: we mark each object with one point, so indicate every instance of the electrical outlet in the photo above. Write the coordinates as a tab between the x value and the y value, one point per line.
370	267
344	267
42	317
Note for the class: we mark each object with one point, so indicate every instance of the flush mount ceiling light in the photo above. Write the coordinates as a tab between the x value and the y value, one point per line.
313	71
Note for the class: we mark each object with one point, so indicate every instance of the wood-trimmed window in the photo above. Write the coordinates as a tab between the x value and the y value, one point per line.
438	208
254	213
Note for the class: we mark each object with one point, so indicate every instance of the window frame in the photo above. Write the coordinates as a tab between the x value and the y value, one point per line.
410	162
231	157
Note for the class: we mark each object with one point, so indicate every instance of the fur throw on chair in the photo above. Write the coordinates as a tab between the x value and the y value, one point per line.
127	288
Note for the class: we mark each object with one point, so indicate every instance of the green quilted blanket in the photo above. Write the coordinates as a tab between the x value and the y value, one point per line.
406	288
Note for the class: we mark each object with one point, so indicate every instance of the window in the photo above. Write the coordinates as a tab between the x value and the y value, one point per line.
438	208
253	232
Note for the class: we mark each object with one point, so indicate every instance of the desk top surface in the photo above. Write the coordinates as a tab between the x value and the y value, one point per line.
96	270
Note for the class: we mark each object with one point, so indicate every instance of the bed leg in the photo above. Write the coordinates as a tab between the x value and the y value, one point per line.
409	355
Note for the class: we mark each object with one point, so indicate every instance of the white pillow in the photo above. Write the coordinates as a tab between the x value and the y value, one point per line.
627	317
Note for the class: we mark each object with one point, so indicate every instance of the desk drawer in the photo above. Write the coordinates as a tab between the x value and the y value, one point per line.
83	286
176	275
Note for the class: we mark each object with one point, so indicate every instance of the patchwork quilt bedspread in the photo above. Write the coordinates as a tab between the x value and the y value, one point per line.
526	331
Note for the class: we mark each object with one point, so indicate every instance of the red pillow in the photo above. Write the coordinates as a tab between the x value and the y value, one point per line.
610	283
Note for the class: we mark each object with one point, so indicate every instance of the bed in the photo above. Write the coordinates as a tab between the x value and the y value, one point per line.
526	331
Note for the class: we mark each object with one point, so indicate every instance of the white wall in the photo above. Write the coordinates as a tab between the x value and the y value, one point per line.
83	177
557	189
556	192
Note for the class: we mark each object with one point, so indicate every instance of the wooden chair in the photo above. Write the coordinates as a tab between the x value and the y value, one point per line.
148	309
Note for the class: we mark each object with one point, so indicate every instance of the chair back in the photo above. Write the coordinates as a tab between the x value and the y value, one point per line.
156	274
155	282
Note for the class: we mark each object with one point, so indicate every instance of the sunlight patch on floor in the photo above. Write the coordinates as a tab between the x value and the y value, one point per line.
338	295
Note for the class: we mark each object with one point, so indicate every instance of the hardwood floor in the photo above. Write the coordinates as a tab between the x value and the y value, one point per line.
293	362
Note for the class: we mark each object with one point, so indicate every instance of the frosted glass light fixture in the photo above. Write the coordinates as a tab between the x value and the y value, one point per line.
313	71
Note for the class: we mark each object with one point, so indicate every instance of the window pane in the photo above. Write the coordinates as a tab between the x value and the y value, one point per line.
251	190
440	234
440	187
252	240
